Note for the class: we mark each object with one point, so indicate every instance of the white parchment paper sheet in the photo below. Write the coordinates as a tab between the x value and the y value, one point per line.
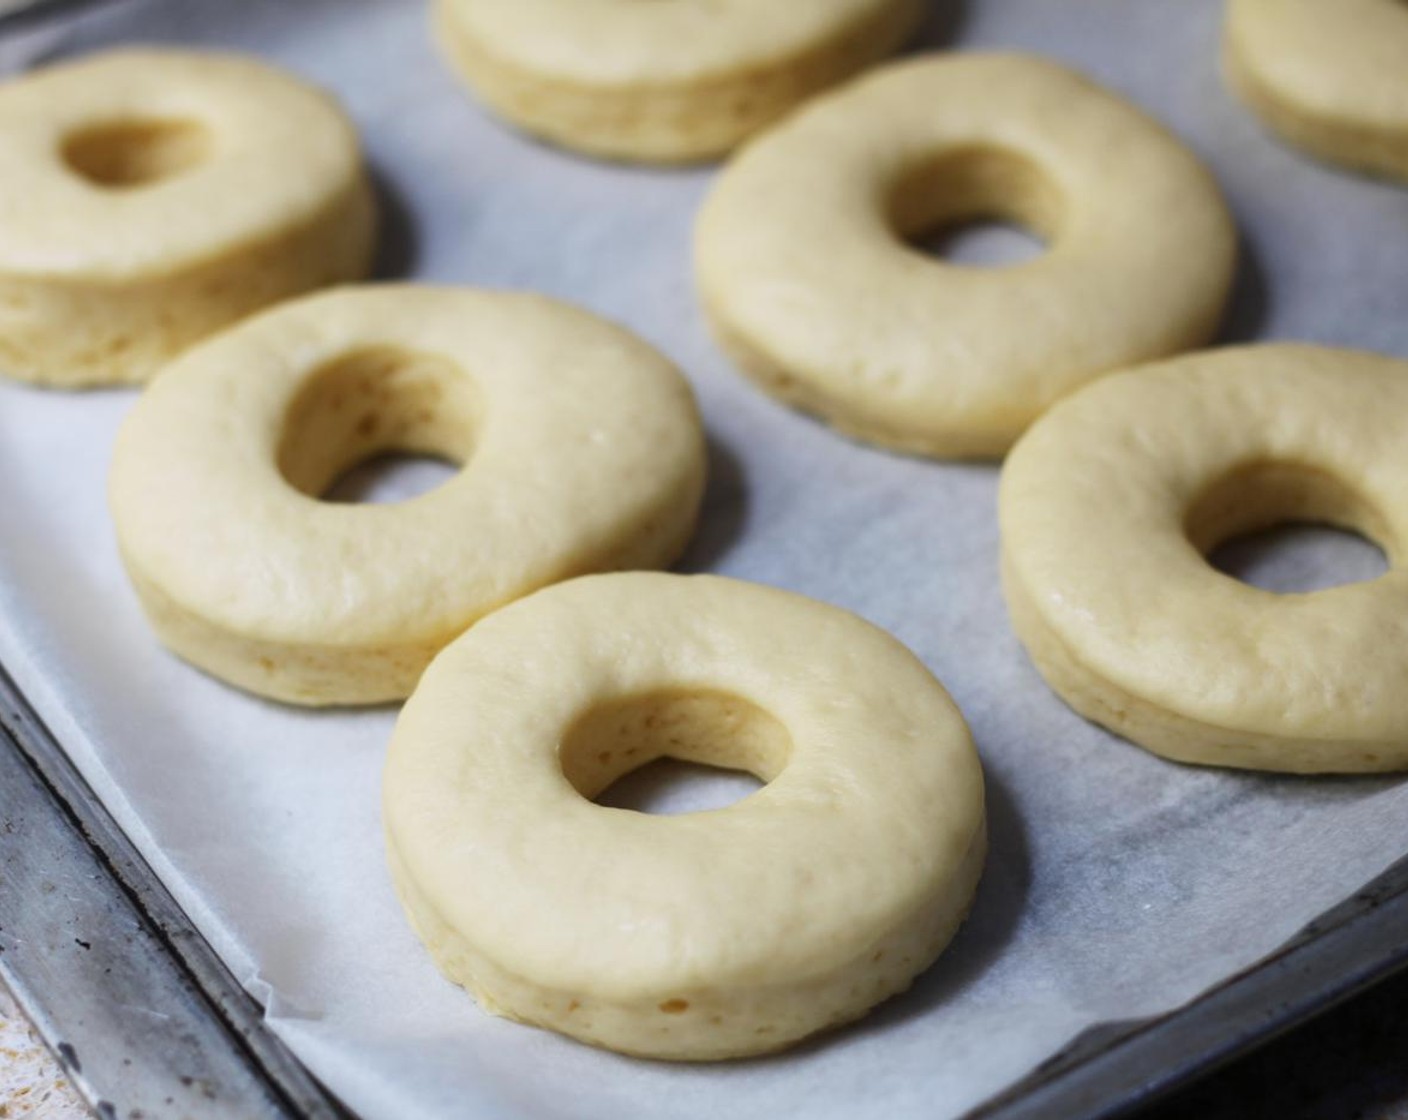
1118	885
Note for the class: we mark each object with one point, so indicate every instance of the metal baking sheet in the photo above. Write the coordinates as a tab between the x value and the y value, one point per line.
1119	887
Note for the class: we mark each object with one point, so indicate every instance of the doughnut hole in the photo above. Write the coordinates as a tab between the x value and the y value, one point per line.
710	729
136	153
1277	526
976	206
374	410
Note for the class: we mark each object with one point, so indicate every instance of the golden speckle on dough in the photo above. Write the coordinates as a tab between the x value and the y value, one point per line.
675	1006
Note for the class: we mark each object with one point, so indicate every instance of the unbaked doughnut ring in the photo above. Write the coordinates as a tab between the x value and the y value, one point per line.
705	935
150	197
1110	503
581	449
1329	76
667	81
805	274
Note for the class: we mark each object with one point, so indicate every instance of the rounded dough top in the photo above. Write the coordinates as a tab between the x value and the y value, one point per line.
1094	507
1340	58
799	250
878	804
273	150
580	432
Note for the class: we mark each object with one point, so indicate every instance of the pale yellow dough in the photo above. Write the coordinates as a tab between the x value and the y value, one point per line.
581	446
1110	503
706	935
664	81
1329	76
150	197
807	278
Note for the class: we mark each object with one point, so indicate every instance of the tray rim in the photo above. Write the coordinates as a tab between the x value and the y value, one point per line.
205	1047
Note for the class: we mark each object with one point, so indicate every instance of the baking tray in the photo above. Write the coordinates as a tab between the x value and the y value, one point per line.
149	1022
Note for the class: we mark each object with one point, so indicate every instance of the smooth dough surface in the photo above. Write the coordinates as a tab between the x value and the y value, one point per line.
149	197
1329	76
1113	499
664	81
809	282
581	451
705	935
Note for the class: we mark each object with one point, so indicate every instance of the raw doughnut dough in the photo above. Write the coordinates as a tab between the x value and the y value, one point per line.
805	274
150	197
706	935
581	447
664	81
1110	503
1330	76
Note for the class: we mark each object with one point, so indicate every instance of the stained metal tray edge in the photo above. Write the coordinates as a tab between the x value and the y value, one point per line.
1116	1068
144	1017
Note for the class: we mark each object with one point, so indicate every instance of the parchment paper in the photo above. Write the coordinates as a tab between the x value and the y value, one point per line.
1118	885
